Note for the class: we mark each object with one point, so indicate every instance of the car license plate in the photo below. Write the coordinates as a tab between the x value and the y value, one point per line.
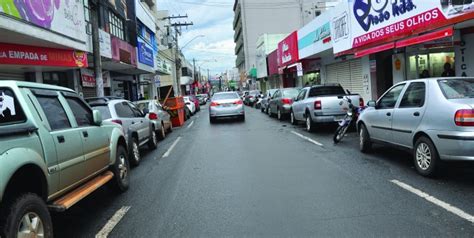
339	118
226	105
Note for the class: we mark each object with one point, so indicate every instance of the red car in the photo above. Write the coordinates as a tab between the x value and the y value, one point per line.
196	102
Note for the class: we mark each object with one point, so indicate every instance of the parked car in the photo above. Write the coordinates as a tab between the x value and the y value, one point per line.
190	104
321	104
195	100
54	151
280	103
160	118
202	99
138	129
431	117
251	98
226	104
265	99
244	94
101	99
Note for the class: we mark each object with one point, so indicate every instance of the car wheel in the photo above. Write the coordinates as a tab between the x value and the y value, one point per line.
162	133
269	113
262	109
212	120
121	168
426	157
170	129
153	140
26	216
242	118
309	123
135	153
292	118
279	115
365	144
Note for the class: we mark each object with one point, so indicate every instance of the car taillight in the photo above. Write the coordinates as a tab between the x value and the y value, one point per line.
317	105
117	121
153	116
464	117
361	102
214	104
286	101
238	102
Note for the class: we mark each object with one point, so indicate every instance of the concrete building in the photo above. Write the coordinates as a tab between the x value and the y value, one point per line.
252	18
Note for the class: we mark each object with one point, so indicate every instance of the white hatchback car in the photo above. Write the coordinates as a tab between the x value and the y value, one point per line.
190	104
432	117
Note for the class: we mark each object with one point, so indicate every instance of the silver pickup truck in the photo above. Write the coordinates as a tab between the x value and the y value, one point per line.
321	104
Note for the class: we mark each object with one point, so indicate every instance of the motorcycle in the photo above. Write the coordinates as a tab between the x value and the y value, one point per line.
353	113
258	103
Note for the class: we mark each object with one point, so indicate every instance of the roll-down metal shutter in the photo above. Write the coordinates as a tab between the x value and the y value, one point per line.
348	74
12	76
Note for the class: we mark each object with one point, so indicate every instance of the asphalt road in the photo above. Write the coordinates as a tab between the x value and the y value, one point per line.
264	178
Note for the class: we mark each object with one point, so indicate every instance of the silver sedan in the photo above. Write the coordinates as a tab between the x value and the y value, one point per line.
227	104
434	118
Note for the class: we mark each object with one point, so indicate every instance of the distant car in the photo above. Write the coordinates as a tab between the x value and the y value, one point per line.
244	94
265	99
159	117
202	99
321	104
138	129
251	98
190	104
101	99
226	104
281	101
432	117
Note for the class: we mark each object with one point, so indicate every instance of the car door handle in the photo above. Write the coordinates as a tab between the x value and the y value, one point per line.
389	114
416	114
61	139
133	122
85	134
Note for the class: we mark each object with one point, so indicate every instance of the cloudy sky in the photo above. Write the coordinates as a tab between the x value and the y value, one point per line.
213	19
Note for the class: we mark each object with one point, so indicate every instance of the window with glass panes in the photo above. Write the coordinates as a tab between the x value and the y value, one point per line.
116	26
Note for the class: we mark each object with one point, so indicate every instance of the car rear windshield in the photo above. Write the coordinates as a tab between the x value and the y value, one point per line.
457	88
104	110
143	105
326	91
290	93
224	96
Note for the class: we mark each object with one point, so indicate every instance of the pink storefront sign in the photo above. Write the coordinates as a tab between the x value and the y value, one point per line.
123	51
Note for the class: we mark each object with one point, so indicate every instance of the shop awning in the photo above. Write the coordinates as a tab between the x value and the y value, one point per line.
447	32
374	50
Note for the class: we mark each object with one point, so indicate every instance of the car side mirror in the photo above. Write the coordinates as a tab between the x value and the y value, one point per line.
371	103
97	117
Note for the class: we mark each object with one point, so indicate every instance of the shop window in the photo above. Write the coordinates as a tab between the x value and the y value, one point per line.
87	17
56	78
116	26
429	64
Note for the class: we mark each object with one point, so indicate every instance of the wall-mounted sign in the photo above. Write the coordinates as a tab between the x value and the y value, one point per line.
105	44
145	54
315	37
64	17
87	78
31	55
288	50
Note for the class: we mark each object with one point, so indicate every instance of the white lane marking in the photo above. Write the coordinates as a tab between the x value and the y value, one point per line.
168	152
307	138
446	206
190	124
105	231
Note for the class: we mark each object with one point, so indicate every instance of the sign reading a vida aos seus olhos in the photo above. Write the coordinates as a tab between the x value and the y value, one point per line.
371	21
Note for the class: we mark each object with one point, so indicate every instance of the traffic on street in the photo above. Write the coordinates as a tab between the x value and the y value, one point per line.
236	118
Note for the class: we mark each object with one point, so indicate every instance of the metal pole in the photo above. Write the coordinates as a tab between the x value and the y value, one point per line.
96	51
178	64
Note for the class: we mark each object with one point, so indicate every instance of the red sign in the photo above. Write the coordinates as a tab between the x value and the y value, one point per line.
31	55
288	50
273	63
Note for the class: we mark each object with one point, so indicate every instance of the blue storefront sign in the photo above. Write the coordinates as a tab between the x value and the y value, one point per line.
145	54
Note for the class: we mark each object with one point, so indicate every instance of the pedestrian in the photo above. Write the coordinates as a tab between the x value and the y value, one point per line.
448	71
425	74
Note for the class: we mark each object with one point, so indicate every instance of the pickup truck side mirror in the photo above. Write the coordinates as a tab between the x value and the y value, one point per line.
371	103
97	117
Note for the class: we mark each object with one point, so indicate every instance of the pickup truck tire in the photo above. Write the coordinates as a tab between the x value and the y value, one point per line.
27	213
121	169
135	152
153	141
310	126
365	144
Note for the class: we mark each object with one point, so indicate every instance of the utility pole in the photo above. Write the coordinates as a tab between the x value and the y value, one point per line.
177	30
194	70
99	81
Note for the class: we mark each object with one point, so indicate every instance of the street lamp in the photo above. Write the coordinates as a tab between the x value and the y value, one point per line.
198	36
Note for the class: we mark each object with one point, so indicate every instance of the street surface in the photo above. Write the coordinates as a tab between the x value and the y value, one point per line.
265	178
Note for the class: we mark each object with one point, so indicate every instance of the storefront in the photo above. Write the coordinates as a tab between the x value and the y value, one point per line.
274	77
288	59
405	40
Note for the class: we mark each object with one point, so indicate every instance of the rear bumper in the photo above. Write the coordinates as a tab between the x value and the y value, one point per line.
226	112
317	118
454	145
285	109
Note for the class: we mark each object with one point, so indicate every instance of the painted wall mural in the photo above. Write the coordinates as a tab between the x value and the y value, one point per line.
61	16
